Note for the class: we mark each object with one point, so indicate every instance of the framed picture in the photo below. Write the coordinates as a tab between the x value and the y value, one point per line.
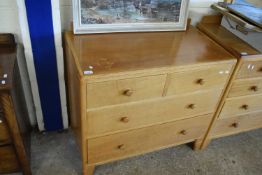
106	16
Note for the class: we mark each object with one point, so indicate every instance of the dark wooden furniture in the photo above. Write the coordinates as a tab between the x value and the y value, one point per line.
14	122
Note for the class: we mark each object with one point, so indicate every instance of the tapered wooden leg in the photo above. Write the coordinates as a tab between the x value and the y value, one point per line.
205	143
197	144
89	170
201	144
27	171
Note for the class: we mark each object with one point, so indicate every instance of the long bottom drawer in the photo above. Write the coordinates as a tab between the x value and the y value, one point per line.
126	144
8	160
228	126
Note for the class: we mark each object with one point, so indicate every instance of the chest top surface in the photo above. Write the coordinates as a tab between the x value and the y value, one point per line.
113	53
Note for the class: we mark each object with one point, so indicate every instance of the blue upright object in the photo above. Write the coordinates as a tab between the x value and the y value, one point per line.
39	14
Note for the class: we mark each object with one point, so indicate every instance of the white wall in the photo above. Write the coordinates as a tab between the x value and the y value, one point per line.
66	14
9	14
9	22
198	8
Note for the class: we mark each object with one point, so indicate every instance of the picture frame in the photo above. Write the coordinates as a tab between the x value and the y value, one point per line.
109	16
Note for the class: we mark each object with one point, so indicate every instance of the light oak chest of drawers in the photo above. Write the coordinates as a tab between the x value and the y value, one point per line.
157	89
240	109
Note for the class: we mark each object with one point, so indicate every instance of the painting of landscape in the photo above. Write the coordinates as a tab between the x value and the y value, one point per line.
129	11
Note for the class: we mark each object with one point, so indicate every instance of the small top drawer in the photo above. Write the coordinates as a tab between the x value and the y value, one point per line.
4	133
123	91
205	77
250	69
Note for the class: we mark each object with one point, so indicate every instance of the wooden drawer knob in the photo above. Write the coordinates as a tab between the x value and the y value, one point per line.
121	147
124	119
191	106
200	81
260	70
245	107
235	125
128	92
254	88
183	132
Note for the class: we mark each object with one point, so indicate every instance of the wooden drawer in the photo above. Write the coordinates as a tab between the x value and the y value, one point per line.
250	69
241	105
125	144
207	77
123	91
136	115
8	160
237	124
4	133
242	87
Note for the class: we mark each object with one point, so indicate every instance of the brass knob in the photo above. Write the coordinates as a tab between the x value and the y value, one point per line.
121	147
235	125
254	88
124	119
201	81
128	92
1	121
192	106
244	107
183	132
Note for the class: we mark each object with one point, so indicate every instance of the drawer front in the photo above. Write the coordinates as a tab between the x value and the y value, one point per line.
8	160
250	69
4	133
241	105
242	87
237	124
137	115
208	77
123	91
125	144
